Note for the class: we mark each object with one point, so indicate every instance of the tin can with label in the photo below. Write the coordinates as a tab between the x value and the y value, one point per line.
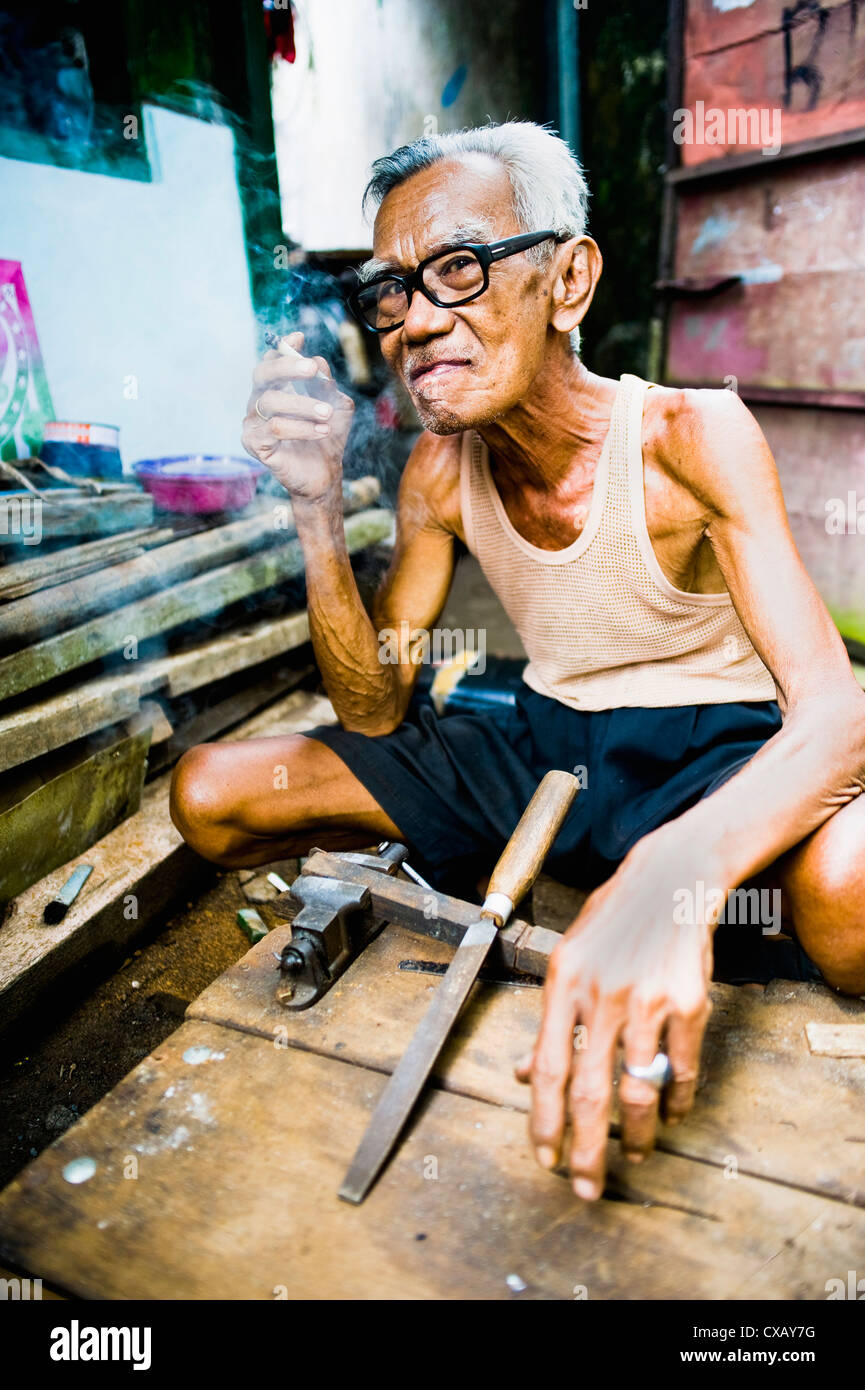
82	450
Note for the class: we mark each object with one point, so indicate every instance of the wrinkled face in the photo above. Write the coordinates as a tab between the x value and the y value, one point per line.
463	366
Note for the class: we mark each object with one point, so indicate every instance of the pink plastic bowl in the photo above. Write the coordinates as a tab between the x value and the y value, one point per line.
200	482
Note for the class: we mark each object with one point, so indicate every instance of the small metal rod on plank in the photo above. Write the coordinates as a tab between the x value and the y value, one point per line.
58	907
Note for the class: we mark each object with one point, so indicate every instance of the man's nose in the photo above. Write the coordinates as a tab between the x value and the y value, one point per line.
425	319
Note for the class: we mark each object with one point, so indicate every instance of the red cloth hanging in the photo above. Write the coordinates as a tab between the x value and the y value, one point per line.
279	28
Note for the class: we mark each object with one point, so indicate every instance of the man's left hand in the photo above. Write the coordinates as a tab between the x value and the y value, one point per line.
626	971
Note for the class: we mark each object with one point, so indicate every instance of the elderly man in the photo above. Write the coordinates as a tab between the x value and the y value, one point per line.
636	534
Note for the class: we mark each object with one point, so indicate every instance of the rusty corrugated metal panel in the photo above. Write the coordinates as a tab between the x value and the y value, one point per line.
795	238
805	58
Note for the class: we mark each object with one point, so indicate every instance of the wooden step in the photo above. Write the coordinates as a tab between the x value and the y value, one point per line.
142	869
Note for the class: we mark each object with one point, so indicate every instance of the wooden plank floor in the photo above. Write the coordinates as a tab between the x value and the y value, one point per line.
765	1101
218	1160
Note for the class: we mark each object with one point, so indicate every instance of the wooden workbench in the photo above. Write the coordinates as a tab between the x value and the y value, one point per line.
218	1159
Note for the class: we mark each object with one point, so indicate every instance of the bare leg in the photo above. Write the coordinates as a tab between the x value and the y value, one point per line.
242	804
822	884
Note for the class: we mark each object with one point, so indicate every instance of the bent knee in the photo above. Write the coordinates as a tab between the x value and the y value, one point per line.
840	957
827	891
831	928
836	945
200	803
219	800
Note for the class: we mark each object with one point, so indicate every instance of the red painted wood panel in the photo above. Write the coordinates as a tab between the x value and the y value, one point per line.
797	237
711	24
737	59
794	234
821	460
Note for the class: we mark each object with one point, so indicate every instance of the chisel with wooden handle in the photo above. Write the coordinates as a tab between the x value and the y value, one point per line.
511	879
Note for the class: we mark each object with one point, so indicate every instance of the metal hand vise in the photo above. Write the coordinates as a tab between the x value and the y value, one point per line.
347	898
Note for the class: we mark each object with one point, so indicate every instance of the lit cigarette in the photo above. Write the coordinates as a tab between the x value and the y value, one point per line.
274	341
56	910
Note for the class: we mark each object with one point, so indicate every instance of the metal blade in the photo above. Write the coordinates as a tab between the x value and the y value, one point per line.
405	1085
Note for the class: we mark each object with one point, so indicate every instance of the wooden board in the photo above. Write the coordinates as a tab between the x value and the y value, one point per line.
741	56
218	1161
224	655
836	1039
124	578
745	334
794	234
79	515
714	24
160	612
48	724
821	461
122	581
220	718
141	870
766	1105
292	715
62	818
45	571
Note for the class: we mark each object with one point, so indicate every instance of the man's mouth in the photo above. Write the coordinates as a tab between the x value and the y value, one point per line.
431	371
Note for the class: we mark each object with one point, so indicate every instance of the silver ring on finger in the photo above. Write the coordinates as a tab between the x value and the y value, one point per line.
259	412
659	1073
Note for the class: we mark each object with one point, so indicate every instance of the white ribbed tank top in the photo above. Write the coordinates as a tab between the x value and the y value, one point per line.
602	625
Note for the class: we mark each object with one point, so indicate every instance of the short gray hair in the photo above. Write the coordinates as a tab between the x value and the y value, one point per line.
547	181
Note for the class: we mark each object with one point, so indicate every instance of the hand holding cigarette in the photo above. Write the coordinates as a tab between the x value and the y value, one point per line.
297	419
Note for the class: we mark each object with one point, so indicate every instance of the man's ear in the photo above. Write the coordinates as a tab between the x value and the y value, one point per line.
578	269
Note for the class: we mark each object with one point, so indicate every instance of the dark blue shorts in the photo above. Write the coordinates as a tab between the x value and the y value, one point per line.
456	785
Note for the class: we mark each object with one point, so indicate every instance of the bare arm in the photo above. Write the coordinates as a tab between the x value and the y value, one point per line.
629	969
816	762
370	691
303	447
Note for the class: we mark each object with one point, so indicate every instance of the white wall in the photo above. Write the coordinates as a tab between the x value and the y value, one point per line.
371	75
145	280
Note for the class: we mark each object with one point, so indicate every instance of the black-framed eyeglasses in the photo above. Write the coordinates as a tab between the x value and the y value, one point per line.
452	277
